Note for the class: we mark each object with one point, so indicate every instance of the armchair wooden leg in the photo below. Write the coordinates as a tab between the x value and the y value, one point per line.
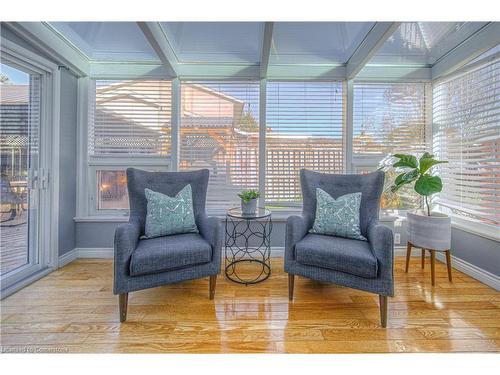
448	264
408	255
433	267
423	258
123	302
291	282
383	310
212	284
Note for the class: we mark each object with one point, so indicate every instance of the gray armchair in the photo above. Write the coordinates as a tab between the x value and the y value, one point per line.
147	263
364	265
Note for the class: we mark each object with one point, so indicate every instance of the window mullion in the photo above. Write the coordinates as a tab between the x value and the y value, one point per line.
262	140
348	116
175	124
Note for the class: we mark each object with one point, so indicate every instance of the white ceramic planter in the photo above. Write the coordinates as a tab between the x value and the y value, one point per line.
249	208
429	232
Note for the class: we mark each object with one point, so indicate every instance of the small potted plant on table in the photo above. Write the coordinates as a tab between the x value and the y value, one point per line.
249	201
426	229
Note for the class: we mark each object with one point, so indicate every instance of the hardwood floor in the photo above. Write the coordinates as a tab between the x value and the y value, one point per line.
74	310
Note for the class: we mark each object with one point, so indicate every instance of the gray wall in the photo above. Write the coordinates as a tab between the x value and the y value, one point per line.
100	235
67	162
479	251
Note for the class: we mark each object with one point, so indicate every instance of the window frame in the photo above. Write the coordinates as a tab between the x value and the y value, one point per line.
290	208
49	138
359	161
459	221
178	124
86	208
88	166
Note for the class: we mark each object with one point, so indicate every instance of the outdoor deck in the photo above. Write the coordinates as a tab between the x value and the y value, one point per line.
13	246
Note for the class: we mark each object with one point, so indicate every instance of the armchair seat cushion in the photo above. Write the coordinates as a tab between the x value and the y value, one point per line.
340	254
168	253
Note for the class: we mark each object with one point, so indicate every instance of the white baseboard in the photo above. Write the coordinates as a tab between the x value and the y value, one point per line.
473	271
68	257
278	252
95	252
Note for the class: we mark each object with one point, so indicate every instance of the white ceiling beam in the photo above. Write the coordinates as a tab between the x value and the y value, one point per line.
218	71
395	73
117	70
48	41
296	72
158	40
478	43
375	38
266	48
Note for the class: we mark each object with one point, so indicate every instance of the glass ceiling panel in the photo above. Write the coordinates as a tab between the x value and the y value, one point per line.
316	42
215	42
108	41
423	43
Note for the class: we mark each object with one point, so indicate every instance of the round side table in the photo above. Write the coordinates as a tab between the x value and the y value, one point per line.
240	230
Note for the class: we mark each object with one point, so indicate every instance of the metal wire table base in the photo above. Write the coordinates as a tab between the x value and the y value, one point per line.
239	232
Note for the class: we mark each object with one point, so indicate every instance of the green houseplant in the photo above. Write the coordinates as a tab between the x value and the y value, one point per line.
417	171
249	201
428	230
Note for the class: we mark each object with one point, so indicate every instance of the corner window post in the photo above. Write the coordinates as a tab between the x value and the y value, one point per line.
175	124
262	140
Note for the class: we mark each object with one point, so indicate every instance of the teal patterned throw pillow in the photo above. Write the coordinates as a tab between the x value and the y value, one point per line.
167	215
337	217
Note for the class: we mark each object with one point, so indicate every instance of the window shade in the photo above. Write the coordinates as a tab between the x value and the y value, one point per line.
130	117
304	129
467	134
389	117
220	131
19	124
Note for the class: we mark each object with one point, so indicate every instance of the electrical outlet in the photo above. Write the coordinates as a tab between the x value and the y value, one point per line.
397	238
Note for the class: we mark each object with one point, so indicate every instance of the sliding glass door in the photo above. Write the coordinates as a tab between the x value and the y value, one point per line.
20	179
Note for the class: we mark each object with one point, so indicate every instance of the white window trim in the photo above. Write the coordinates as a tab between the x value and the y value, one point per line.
352	163
460	222
87	189
88	166
470	226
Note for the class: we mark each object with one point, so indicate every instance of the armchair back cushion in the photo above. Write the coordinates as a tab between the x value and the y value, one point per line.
370	185
168	183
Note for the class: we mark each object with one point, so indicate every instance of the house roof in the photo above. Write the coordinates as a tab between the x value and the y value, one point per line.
14	94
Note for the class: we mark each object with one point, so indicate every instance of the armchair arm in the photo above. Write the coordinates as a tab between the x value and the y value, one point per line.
210	229
381	241
296	229
126	239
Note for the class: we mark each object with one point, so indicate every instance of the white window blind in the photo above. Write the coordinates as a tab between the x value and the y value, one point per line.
304	129
220	131
389	118
467	134
19	123
130	117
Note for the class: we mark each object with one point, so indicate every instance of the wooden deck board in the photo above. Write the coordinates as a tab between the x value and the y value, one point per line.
74	310
13	246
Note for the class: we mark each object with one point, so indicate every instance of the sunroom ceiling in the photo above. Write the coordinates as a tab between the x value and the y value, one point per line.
215	42
316	42
423	43
108	41
276	49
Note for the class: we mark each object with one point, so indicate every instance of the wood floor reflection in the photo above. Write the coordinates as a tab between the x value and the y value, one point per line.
74	310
